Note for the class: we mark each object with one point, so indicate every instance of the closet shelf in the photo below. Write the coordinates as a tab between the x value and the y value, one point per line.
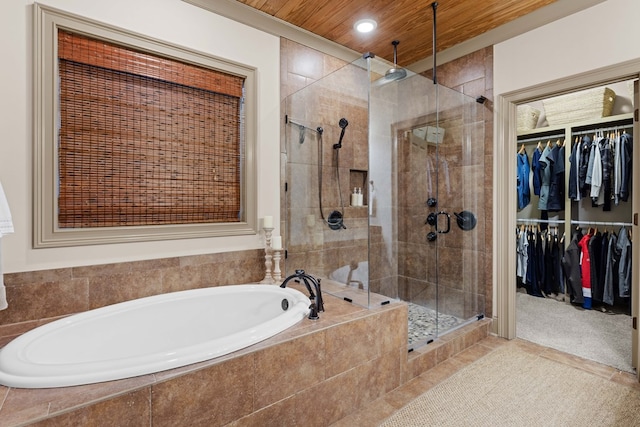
578	125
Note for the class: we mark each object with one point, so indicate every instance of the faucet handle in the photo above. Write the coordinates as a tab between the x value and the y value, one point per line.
313	314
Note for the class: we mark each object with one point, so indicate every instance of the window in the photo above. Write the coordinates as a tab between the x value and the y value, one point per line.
137	139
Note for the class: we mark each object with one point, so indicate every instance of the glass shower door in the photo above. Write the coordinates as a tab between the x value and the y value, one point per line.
416	151
427	236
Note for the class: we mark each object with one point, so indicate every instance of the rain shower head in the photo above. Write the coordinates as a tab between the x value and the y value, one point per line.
343	123
394	73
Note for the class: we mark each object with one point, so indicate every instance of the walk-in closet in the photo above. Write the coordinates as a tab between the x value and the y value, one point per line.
574	218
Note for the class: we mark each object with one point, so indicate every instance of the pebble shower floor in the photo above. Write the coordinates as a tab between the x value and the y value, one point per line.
422	323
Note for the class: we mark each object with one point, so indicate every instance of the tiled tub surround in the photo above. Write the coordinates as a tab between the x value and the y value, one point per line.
316	373
39	296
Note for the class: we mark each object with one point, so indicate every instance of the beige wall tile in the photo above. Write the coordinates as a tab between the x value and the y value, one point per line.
211	397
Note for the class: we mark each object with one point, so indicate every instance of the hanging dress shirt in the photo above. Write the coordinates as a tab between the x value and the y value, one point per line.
524	192
536	170
556	185
573	173
522	250
571	267
606	156
624	263
611	271
546	166
626	150
594	176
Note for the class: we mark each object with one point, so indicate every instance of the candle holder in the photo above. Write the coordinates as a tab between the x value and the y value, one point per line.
277	274
268	263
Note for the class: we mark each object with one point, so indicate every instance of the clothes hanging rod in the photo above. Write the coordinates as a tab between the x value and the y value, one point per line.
596	130
540	221
611	224
541	138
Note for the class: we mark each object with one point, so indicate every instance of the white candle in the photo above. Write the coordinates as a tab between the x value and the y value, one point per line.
276	242
267	222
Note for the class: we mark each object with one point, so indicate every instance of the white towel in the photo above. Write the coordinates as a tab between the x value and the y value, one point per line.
3	290
6	227
6	224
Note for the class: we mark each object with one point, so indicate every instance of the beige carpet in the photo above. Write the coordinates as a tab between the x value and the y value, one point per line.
510	387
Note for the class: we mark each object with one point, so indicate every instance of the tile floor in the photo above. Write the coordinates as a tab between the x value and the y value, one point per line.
376	412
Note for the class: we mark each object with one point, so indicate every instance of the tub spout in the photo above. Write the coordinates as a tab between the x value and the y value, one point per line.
312	284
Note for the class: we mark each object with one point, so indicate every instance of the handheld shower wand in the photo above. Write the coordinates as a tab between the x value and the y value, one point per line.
343	123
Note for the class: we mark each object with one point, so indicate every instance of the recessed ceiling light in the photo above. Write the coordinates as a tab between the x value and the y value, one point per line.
365	25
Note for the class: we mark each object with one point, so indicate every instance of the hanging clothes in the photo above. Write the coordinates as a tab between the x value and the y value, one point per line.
585	152
571	268
595	250
611	271
559	248
535	266
623	248
522	257
594	174
602	264
585	270
617	168
553	274
606	156
536	170
524	193
626	150
556	185
573	193
545	165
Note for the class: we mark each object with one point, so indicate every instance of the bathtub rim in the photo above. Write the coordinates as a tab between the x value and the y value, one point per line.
188	355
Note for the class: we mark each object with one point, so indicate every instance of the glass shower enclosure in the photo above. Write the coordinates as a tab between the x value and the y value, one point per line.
384	194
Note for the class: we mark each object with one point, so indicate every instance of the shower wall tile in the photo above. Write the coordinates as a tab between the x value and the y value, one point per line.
468	68
475	88
415	262
323	104
422	292
305	62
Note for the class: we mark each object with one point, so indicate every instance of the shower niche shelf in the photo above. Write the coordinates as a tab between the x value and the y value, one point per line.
358	179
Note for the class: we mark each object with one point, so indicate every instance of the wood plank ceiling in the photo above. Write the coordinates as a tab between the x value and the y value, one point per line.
409	21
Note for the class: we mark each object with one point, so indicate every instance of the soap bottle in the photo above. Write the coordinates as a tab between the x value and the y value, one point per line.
354	197
360	197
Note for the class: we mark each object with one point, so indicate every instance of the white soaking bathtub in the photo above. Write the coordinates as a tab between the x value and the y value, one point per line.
149	335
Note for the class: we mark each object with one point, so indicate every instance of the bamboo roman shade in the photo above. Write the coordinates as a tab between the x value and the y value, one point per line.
145	140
